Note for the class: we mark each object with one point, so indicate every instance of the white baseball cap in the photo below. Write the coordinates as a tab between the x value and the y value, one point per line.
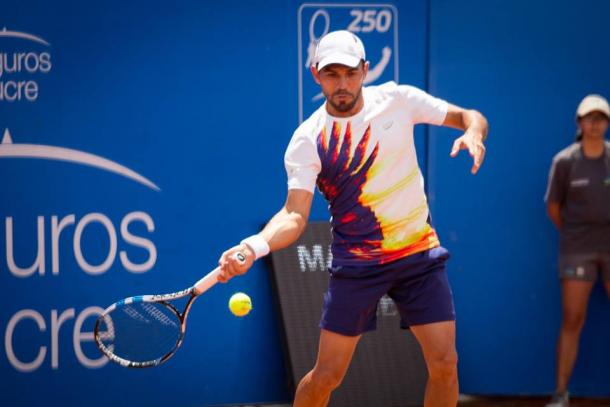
339	47
593	103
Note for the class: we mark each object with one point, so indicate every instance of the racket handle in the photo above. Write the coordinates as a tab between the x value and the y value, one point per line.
211	278
207	282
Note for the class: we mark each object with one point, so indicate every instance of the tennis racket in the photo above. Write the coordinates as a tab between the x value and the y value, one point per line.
146	330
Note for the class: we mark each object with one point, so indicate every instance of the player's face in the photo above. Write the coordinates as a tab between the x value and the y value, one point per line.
342	86
594	125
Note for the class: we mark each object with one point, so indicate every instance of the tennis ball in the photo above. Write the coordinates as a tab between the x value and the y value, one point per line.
240	304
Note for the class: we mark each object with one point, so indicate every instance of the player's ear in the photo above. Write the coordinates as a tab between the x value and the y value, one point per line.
365	69
315	73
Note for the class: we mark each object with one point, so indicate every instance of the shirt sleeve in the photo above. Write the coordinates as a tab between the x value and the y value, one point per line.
556	188
302	163
424	107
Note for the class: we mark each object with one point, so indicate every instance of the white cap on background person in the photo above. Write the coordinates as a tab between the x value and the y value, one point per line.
339	47
593	103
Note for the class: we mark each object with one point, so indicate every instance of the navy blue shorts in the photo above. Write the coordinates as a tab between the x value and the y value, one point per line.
418	285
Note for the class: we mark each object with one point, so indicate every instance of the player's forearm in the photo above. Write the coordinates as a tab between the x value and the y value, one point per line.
475	122
470	121
284	229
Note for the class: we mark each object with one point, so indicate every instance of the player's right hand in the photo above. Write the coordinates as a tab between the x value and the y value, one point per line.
231	266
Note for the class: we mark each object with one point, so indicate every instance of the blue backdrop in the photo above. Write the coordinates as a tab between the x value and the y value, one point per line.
154	137
526	65
141	141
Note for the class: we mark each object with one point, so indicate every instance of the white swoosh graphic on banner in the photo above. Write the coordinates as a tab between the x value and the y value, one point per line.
25	36
376	72
10	150
373	74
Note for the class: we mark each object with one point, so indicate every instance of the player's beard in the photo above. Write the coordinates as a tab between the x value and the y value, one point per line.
344	107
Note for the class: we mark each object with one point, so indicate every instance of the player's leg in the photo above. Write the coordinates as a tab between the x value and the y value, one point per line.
349	310
334	356
574	300
424	299
437	341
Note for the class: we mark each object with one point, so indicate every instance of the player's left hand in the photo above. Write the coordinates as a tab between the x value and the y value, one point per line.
473	142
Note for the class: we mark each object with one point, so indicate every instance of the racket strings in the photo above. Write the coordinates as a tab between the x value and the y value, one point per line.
152	310
141	332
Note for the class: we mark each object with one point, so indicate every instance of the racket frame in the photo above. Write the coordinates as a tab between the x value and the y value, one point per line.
163	299
201	286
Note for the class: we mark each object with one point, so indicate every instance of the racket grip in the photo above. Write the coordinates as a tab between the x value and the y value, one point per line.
207	281
211	278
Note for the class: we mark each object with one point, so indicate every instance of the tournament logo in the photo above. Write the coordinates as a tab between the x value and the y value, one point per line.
54	227
21	63
375	24
11	150
8	149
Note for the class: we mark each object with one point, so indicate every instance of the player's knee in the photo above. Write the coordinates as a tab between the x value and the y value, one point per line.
443	366
572	321
326	379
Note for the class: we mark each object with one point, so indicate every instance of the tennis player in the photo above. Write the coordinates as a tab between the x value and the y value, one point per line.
358	149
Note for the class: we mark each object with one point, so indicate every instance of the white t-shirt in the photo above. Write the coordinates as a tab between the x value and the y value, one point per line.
366	167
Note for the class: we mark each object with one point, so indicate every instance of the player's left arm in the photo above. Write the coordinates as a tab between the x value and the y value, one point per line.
475	129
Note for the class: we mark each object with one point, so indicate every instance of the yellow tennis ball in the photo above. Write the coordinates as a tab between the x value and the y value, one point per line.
240	304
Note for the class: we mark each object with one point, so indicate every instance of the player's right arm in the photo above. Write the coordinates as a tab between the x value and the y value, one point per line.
302	167
283	229
289	223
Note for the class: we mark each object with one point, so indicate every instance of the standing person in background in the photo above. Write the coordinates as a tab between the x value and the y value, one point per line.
578	203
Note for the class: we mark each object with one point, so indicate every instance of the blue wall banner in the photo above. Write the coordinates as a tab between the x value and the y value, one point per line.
526	69
129	133
140	140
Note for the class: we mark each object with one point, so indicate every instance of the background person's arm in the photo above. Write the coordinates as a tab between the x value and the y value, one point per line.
553	209
556	192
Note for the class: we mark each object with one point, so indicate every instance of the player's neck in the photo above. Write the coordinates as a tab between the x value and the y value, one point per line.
593	147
